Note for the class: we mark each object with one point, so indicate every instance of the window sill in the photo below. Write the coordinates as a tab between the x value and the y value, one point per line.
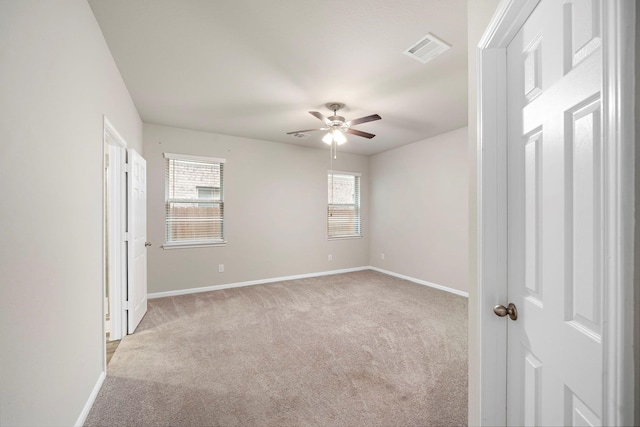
192	245
344	238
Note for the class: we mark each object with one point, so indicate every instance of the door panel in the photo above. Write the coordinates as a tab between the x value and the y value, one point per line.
584	222
137	231
555	253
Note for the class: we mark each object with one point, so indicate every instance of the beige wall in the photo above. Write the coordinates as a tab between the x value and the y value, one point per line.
419	210
479	13
275	212
57	79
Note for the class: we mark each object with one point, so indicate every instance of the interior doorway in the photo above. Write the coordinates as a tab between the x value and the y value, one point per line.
115	271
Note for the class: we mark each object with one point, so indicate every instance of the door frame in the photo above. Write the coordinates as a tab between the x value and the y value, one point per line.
618	44
115	226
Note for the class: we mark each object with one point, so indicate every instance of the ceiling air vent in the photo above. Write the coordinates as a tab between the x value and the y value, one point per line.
427	48
299	135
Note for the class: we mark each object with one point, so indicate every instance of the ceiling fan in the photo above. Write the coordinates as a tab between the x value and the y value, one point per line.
337	125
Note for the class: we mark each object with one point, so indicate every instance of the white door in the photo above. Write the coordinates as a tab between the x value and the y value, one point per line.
116	227
137	236
555	221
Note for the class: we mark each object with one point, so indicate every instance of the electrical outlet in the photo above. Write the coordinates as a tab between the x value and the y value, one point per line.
381	256
220	268
330	257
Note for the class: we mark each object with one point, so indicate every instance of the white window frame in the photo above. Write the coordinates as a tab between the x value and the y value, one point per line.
357	204
194	243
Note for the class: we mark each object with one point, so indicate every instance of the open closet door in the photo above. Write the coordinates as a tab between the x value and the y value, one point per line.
137	238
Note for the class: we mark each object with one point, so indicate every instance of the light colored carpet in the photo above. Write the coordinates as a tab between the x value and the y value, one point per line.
355	349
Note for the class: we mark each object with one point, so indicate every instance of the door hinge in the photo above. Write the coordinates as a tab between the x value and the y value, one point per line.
126	305
126	236
126	168
106	161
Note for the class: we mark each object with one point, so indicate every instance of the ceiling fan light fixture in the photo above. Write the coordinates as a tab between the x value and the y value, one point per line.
334	135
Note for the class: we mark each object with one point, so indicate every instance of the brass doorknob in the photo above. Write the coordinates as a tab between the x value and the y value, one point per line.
511	310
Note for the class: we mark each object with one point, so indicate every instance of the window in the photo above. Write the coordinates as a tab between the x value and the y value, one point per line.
194	202
208	193
343	212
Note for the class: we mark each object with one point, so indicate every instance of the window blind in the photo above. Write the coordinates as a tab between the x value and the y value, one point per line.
343	211
194	200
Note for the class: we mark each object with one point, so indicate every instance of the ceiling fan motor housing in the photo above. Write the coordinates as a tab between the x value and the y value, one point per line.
336	120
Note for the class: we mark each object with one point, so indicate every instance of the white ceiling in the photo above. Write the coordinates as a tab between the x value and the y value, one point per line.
254	68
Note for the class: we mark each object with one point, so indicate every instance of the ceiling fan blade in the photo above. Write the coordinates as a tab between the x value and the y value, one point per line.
320	116
360	133
306	130
364	120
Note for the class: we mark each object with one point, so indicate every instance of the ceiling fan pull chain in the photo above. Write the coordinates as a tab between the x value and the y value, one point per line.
331	168
331	179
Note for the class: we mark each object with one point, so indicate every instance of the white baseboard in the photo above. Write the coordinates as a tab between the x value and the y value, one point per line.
422	282
92	397
301	276
251	283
